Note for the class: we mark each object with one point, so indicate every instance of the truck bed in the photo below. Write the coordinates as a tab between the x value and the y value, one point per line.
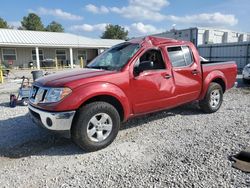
226	70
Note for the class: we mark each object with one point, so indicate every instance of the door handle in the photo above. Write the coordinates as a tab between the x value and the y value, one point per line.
167	76
195	72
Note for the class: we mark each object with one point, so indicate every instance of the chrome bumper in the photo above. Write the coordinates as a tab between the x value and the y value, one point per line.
56	121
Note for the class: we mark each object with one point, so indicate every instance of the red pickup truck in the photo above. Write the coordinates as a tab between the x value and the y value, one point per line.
132	78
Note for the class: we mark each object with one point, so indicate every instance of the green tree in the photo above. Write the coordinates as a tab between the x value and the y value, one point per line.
55	27
114	32
32	22
3	23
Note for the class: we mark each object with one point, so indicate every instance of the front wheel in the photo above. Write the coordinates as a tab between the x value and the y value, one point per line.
96	125
213	99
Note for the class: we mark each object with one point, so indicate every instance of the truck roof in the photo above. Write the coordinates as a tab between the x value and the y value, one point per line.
156	40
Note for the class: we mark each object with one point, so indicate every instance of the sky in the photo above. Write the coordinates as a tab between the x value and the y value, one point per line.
139	17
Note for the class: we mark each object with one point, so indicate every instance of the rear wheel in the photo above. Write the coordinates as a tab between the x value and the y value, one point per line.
213	99
95	126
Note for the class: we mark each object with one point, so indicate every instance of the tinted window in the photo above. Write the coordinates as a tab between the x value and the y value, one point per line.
180	56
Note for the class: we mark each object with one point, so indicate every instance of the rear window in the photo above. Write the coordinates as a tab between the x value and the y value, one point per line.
180	56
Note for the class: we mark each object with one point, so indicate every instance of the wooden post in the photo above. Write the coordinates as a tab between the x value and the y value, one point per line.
56	63
81	62
1	75
1	72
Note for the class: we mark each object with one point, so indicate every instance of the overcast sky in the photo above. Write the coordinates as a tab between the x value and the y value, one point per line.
140	17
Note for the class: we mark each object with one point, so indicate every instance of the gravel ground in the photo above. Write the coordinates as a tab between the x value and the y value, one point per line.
181	147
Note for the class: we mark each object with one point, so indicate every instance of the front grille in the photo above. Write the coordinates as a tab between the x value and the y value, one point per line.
35	115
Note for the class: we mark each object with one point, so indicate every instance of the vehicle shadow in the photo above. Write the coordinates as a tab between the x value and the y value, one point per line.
187	109
241	84
20	137
5	104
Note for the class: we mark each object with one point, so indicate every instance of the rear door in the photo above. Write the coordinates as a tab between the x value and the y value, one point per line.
186	73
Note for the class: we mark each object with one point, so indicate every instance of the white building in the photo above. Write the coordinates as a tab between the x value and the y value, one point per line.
200	35
19	48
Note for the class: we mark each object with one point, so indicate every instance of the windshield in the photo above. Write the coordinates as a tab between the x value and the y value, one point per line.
116	57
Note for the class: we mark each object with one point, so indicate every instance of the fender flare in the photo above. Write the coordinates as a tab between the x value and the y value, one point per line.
210	78
86	92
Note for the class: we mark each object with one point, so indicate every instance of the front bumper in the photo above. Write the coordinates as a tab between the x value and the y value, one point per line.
55	121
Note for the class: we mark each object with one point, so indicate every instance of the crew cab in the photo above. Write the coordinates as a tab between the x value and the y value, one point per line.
133	78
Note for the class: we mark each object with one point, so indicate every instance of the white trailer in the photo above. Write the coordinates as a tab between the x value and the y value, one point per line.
201	35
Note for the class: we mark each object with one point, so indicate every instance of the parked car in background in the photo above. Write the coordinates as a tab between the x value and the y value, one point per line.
246	73
130	79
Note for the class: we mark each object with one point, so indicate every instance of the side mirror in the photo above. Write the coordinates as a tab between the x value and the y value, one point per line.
143	66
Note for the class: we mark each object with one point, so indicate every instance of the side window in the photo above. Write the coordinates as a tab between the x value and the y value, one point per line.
187	55
155	57
176	56
180	56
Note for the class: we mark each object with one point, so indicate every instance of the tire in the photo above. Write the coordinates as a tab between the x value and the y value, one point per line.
213	98
95	126
13	100
25	101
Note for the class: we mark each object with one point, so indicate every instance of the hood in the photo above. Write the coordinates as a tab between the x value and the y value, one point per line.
70	78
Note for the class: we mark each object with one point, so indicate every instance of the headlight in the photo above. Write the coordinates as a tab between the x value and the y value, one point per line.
56	94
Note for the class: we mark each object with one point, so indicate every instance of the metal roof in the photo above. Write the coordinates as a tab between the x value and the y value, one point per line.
11	37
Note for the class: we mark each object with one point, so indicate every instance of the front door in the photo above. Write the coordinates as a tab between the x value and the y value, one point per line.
152	85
